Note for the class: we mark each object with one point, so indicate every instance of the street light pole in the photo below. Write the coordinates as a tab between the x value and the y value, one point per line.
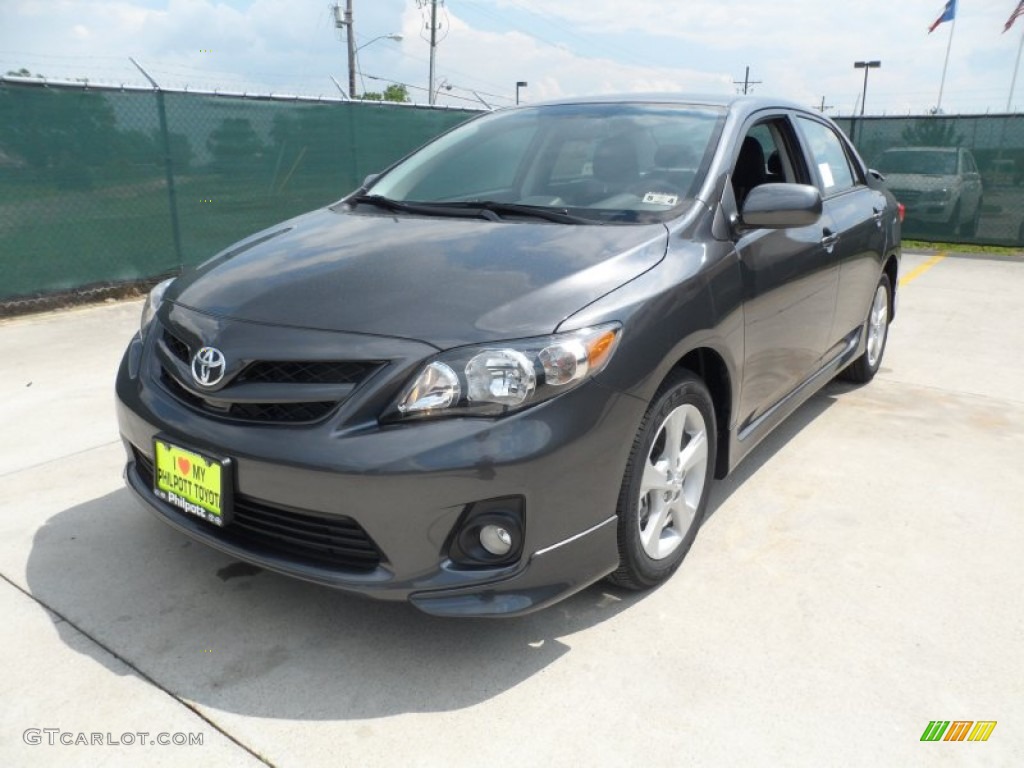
392	36
865	65
520	84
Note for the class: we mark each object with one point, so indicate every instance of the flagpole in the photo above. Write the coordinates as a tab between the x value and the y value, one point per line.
942	85
1013	82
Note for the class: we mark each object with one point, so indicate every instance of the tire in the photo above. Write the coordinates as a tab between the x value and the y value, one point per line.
952	227
664	490
876	330
971	228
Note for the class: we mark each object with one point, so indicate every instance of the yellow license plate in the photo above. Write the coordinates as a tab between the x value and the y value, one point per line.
190	481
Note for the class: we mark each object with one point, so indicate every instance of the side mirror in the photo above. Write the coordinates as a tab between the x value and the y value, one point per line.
781	206
370	179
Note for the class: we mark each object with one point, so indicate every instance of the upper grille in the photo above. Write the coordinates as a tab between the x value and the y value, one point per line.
345	372
306	537
287	406
177	347
278	413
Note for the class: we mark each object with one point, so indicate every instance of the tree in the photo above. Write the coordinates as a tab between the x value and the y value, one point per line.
932	132
394	92
235	146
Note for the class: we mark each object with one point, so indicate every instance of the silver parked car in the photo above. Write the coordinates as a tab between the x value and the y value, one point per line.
938	185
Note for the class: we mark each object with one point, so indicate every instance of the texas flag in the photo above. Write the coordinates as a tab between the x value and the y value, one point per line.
948	14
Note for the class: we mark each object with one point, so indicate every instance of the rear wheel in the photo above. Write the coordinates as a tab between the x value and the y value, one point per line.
876	329
665	488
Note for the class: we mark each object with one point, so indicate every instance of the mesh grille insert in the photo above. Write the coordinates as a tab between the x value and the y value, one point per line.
305	537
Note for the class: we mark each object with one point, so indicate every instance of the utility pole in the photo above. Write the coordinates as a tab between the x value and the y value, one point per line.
345	20
824	106
747	82
351	50
433	50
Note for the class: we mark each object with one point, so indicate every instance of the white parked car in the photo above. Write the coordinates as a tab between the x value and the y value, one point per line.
938	185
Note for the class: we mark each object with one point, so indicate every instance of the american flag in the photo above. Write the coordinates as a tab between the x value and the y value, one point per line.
1018	11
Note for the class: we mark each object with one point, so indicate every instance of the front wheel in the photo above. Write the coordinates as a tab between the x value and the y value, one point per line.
971	229
876	329
665	487
953	226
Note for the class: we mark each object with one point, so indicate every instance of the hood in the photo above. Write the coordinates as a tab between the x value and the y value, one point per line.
445	281
920	182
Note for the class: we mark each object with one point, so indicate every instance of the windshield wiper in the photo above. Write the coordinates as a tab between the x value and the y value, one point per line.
487	209
558	215
422	209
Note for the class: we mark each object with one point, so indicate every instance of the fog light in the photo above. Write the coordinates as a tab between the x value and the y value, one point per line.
496	540
489	534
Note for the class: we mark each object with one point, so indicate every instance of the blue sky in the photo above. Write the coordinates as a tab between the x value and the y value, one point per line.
801	49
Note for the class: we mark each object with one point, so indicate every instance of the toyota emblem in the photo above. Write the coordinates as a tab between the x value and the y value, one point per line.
208	367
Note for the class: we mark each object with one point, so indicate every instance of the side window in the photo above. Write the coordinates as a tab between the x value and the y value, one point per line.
969	166
830	161
765	158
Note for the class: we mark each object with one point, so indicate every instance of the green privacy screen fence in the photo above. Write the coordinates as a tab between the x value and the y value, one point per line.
960	177
106	186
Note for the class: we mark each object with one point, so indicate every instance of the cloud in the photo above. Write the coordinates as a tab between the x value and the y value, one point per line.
801	49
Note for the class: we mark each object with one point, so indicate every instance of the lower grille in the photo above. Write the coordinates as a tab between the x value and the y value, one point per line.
304	537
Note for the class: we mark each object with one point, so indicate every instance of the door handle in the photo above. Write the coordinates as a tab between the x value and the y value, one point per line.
829	240
877	216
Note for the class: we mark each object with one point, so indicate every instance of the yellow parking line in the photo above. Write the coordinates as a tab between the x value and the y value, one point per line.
922	268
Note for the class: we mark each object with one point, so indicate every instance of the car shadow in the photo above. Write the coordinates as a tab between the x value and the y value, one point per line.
230	636
824	399
234	637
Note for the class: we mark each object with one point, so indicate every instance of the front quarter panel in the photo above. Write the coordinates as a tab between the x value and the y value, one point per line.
692	299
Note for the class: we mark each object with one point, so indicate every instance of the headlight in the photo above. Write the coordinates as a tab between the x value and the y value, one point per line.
495	379
153	304
937	195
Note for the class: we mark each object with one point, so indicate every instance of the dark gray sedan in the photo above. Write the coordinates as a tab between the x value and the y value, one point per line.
512	363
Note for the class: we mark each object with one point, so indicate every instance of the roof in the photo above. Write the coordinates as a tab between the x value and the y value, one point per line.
738	102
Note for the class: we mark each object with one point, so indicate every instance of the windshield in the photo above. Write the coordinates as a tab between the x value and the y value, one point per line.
926	162
599	162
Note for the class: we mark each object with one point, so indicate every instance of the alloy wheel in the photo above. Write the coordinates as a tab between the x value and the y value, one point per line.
673	481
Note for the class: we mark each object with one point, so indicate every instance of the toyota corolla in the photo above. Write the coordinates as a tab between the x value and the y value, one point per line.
513	363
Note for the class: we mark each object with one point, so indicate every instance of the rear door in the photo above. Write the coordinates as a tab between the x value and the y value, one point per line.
856	213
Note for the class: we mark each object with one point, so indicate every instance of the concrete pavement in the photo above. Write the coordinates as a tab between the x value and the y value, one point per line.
859	576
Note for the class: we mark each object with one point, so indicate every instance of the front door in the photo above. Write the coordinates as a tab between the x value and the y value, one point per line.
790	279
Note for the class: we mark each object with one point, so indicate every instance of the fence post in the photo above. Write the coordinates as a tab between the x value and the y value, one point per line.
172	197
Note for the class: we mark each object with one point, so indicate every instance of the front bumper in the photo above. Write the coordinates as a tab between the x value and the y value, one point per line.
408	485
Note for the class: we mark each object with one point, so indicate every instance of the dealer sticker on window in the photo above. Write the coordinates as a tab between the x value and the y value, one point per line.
190	481
659	198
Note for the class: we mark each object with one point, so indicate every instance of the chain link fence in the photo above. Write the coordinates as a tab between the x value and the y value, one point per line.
103	187
961	178
106	187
